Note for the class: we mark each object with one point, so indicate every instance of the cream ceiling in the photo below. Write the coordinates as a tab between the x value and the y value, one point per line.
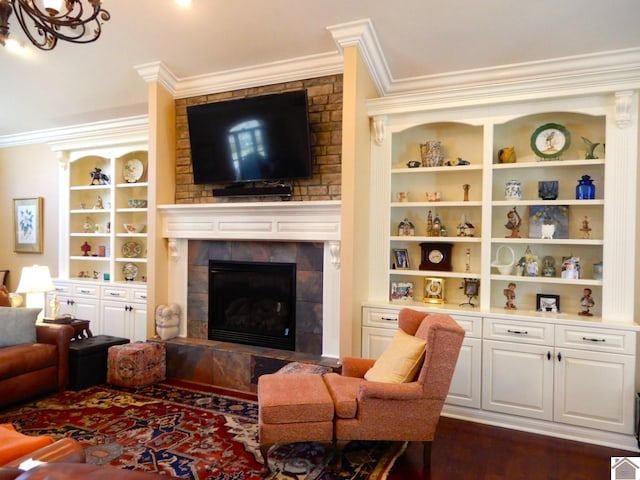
419	39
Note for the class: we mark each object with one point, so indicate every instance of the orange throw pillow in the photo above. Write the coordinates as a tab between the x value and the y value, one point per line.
14	444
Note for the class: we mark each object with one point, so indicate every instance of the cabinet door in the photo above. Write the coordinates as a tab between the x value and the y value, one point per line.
594	389
83	309
518	379
375	340
465	384
116	319
138	322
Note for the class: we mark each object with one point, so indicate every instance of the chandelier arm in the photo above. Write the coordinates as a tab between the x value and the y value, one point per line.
52	26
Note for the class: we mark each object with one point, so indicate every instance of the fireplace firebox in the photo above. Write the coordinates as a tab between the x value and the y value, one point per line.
253	303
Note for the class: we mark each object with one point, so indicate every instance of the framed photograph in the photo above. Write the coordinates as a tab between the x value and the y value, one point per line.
401	258
547	303
27	225
471	287
401	291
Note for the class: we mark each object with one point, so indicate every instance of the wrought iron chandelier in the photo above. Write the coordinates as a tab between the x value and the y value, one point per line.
47	21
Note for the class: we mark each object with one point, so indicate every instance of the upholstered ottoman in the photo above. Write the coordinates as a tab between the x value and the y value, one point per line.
136	364
293	408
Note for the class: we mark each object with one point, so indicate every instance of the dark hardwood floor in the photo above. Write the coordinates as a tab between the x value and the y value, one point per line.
466	450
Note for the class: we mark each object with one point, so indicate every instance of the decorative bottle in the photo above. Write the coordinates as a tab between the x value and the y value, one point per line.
585	190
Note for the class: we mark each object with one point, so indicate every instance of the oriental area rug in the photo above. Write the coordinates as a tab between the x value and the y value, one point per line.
186	433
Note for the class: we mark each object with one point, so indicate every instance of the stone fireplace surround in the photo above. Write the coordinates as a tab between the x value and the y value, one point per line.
309	221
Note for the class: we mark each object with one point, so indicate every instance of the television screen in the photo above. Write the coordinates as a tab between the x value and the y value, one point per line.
263	138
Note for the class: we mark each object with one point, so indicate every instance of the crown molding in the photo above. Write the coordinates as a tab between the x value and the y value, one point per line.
362	34
259	75
561	77
158	72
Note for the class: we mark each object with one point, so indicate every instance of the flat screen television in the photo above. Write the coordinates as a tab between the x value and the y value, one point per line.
263	138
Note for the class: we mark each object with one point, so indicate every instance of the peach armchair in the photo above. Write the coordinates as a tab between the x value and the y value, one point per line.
370	410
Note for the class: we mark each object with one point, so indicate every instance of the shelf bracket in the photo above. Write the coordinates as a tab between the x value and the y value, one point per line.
173	249
334	251
379	128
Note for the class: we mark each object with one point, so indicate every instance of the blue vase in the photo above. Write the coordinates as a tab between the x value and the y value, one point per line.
585	190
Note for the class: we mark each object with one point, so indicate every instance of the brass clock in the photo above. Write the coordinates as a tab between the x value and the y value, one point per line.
433	290
436	256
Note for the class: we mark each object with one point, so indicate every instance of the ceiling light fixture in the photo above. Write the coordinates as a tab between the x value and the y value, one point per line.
47	21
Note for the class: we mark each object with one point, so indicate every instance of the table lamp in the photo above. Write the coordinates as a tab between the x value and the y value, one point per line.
35	281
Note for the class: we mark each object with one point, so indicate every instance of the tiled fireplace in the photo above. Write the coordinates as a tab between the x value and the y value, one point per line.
307	233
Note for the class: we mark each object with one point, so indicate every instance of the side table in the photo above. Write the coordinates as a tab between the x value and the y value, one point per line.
80	327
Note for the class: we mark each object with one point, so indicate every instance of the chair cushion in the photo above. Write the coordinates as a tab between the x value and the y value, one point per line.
14	444
18	325
400	361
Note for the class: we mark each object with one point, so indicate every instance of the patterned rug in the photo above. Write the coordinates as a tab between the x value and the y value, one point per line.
186	433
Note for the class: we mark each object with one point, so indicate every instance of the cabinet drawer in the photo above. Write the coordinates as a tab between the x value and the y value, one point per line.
472	325
380	318
598	339
115	293
62	288
514	331
139	295
86	290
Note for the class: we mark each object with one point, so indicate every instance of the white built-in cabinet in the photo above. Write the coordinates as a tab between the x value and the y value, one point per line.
554	372
102	264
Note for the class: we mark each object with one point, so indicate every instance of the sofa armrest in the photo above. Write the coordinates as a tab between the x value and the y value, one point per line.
356	367
60	336
65	450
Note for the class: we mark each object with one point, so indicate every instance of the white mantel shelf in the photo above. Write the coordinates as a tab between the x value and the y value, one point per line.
301	221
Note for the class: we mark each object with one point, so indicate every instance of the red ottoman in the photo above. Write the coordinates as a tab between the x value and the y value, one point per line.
136	364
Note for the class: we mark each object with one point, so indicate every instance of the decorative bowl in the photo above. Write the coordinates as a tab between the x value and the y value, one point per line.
134	227
134	203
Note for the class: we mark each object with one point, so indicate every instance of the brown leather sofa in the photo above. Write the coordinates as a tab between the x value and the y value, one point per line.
33	369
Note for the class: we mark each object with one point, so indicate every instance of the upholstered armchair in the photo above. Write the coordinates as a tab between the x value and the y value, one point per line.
408	411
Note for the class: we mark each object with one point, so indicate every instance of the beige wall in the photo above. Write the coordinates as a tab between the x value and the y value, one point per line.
356	173
27	172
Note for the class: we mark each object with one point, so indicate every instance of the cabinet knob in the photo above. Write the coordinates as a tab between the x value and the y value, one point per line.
559	357
548	355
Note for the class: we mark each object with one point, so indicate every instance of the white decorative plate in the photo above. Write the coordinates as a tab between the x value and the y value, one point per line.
131	249
133	170
130	271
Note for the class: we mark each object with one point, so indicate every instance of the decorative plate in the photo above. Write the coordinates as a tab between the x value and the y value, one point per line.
550	140
131	249
130	271
133	170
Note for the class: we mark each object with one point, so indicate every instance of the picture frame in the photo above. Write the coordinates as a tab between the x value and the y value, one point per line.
401	291
401	258
547	303
543	217
27	225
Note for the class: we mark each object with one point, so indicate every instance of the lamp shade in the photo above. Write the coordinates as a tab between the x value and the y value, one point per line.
35	279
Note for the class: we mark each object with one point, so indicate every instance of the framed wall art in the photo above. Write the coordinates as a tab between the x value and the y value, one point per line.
27	225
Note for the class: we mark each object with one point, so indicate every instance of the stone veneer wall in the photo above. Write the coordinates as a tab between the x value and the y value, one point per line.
308	258
325	119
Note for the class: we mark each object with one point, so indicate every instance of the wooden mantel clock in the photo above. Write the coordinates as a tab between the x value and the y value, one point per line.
436	256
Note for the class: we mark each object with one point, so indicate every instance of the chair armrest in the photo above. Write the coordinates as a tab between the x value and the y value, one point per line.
65	450
356	367
60	336
391	391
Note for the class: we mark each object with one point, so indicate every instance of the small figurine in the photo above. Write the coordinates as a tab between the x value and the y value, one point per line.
530	263
88	225
513	223
98	205
99	177
54	304
86	248
466	188
510	293
586	302
586	229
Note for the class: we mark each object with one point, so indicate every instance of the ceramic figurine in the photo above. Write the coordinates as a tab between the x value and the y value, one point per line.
510	293
586	302
586	229
513	223
98	205
99	178
507	155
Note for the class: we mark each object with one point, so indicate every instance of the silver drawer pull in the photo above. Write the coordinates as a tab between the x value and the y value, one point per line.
114	294
82	290
59	289
143	297
586	339
517	332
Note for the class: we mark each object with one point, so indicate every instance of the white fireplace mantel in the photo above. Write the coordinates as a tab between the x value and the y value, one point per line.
314	221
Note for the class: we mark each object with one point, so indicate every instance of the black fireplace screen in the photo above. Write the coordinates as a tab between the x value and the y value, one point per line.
253	303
